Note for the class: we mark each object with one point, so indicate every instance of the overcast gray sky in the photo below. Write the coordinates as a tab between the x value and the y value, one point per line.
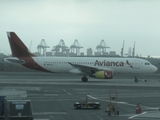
89	21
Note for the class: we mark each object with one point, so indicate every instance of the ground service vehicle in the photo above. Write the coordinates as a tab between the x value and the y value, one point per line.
86	104
15	109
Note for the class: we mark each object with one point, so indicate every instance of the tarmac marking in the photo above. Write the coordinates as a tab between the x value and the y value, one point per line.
99	117
137	115
50	113
50	94
108	100
51	99
67	92
91	97
60	83
51	117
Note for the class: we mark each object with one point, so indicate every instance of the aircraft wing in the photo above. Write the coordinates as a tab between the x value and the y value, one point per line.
89	69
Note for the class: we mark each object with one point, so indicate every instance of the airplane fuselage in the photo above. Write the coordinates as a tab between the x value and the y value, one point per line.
62	64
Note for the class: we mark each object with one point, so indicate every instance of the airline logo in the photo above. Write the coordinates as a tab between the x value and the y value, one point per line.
108	74
127	62
112	63
108	63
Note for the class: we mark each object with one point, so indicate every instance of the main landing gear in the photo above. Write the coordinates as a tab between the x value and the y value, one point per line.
84	79
135	78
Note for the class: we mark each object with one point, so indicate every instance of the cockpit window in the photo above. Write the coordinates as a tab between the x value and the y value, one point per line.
147	64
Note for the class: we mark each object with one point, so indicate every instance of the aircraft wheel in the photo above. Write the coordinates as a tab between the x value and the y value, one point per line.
136	80
84	79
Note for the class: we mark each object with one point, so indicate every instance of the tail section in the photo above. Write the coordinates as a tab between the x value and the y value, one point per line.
18	48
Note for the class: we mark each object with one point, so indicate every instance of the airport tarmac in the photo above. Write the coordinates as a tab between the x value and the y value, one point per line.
53	95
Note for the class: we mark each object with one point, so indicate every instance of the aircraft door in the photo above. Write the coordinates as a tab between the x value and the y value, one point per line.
137	64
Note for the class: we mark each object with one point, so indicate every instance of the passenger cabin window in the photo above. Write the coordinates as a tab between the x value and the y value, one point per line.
147	64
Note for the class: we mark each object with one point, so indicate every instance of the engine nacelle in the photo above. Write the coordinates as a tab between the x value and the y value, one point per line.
106	74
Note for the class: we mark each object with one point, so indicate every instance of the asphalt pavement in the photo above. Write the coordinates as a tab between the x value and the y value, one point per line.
53	95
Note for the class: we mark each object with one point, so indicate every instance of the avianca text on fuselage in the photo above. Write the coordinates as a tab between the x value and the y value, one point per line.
109	63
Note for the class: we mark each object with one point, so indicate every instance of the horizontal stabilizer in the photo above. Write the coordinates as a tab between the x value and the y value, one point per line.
16	61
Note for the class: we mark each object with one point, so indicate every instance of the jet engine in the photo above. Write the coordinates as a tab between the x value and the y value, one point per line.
106	74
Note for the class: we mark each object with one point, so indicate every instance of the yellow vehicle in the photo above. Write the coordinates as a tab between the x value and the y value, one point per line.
86	104
112	105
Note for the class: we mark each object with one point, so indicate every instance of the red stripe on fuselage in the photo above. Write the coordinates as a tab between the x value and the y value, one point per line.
30	63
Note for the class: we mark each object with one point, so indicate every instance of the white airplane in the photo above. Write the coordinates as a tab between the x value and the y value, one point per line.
97	67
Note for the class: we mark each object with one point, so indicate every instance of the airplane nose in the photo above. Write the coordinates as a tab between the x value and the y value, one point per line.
155	69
